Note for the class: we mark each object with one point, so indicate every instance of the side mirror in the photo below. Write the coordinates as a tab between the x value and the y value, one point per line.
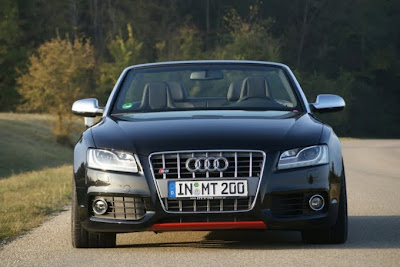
328	103
88	108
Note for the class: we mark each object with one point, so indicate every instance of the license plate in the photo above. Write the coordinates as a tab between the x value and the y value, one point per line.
207	189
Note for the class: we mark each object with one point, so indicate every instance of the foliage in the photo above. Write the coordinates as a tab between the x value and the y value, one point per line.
248	39
57	75
186	44
124	53
322	40
11	53
343	85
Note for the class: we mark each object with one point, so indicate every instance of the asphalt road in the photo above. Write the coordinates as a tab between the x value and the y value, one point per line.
373	180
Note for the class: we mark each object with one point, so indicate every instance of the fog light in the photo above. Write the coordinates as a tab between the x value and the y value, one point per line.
100	206
316	202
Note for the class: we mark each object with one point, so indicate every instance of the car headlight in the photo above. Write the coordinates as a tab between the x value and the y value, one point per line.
302	157
111	160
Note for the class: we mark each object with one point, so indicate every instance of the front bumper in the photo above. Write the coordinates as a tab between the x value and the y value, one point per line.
280	204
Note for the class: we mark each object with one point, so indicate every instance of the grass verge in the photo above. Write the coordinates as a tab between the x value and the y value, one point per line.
27	144
28	198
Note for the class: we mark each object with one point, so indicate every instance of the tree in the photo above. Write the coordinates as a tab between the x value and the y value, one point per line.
11	53
321	39
58	74
343	85
124	52
186	44
248	38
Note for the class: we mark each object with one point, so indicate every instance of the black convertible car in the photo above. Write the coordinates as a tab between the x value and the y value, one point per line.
208	145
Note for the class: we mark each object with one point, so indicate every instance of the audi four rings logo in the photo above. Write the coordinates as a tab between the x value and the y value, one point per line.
203	164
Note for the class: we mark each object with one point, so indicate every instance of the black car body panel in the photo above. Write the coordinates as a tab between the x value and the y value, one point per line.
181	133
271	132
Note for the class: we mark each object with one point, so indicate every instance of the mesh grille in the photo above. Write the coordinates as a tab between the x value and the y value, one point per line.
291	205
242	164
213	205
124	208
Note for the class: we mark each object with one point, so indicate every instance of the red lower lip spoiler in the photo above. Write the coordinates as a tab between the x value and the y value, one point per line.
198	226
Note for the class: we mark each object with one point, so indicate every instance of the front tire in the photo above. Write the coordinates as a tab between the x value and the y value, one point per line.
336	234
84	239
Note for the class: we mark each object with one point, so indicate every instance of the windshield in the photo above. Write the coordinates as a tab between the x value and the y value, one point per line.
206	87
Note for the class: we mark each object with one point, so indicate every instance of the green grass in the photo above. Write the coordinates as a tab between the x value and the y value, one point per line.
35	172
26	144
28	198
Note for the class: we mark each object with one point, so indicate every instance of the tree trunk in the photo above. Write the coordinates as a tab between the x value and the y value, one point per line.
303	32
74	18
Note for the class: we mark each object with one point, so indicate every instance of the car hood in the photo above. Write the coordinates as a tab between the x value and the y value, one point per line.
144	134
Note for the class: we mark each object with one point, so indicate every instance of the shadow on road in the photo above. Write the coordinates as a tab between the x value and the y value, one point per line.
364	232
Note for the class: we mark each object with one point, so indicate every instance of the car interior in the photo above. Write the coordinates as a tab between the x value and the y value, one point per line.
253	91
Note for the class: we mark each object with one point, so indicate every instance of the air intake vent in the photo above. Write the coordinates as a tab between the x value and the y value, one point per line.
124	208
291	205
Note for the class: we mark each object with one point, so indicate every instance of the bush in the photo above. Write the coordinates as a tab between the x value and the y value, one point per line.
58	74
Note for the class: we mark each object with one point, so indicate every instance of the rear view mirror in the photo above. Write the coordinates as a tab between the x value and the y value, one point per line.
328	103
207	75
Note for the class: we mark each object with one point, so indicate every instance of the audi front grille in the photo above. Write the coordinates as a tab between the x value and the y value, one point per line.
181	166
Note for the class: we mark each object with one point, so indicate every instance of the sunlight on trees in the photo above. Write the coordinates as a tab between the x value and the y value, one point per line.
248	39
58	74
124	52
187	44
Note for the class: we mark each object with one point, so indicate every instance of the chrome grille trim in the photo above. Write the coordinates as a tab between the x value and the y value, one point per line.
178	164
221	174
242	164
163	165
247	164
236	163
251	164
193	174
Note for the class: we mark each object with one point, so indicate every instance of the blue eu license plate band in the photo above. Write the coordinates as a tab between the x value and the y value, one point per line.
171	189
207	189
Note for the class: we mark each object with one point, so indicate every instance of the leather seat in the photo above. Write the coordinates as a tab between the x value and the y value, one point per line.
234	91
179	94
255	86
156	96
